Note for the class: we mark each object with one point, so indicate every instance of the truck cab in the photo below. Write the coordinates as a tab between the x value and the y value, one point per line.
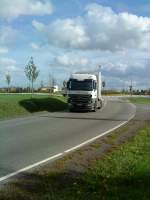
83	91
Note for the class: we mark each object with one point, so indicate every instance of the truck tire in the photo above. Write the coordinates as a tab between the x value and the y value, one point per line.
100	104
95	107
71	109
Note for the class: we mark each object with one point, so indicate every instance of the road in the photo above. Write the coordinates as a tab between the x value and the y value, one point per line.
27	142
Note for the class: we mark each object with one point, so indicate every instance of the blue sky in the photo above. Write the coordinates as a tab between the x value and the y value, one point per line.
71	35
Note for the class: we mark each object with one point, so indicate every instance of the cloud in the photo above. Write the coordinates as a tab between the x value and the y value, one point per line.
3	50
73	36
8	36
7	61
117	69
120	73
8	65
34	46
10	10
70	60
38	25
99	29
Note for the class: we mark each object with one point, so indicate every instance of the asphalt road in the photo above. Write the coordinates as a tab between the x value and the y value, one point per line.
26	141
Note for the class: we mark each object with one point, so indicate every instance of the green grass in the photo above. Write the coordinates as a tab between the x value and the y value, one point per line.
22	105
123	174
141	100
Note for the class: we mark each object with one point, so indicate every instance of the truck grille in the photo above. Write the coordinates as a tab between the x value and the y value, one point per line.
79	98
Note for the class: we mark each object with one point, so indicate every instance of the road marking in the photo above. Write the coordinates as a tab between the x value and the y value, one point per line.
30	167
97	137
66	151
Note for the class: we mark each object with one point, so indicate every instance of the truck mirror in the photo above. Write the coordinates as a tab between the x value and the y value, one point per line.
67	84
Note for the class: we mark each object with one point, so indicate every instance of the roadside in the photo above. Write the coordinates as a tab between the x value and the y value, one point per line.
141	100
97	171
18	105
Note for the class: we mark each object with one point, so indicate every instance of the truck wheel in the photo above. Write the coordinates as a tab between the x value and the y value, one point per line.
100	104
95	107
71	109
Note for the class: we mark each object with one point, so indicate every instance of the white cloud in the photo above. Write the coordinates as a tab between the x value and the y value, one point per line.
34	46
64	33
3	50
7	35
8	65
99	29
10	10
68	60
38	25
7	61
117	69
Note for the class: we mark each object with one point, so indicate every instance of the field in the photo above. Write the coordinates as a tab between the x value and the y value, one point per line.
21	105
140	100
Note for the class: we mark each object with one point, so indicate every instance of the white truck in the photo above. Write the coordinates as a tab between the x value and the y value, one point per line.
84	91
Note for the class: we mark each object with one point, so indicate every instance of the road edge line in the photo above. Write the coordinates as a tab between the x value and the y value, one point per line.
4	178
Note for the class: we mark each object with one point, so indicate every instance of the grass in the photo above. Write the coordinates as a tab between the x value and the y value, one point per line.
120	175
140	100
125	174
22	105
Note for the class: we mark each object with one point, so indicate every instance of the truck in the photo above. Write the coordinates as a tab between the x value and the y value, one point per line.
84	91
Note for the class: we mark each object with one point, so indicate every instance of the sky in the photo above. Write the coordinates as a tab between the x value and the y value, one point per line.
66	36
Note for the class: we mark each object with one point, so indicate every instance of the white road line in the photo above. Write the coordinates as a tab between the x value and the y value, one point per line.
66	151
97	137
30	167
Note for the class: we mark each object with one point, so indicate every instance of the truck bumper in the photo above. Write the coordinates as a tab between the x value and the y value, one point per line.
81	107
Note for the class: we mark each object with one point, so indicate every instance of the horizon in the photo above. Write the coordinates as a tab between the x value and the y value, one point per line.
76	35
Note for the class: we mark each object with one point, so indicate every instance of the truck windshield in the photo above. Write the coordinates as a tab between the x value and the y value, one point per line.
85	85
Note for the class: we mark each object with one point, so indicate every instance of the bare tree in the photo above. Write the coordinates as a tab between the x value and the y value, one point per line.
131	88
64	83
31	72
103	84
42	84
8	80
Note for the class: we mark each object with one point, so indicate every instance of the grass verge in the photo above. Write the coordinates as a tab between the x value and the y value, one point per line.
140	100
121	174
22	105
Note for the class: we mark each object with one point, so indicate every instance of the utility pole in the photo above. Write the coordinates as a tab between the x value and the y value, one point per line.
131	88
50	83
99	67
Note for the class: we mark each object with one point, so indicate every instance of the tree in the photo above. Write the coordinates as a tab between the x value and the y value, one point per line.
131	89
42	84
31	72
64	83
8	80
103	84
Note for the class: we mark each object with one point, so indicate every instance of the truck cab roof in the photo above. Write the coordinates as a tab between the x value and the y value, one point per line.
82	77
